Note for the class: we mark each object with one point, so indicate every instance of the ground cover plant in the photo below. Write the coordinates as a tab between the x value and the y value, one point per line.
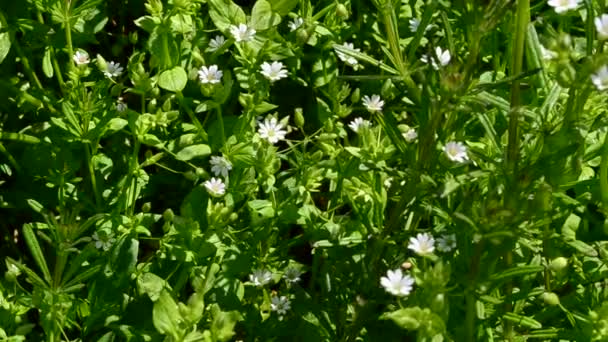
297	170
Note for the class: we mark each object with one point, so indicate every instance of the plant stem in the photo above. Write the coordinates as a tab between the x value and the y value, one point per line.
604	175
521	24
92	175
68	32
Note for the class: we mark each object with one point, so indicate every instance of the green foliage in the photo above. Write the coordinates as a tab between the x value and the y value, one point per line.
277	170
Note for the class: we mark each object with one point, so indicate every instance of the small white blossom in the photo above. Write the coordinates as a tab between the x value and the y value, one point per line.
410	135
271	130
216	43
121	106
351	61
422	244
292	275
373	104
274	71
456	151
600	78
562	6
242	33
358	123
446	243
547	54
220	166
601	25
105	241
113	70
443	57
396	283
210	75
280	305
260	277
215	186
81	58
415	23
295	24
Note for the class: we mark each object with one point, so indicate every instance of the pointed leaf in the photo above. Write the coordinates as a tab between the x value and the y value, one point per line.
34	246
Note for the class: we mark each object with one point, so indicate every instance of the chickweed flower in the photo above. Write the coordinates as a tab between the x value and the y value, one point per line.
210	75
351	61
220	166
600	78
373	104
295	24
292	275
271	130
242	33
456	151
260	277
113	70
547	54
415	23
105	241
446	243
216	43
358	123
422	244
441	58
215	186
280	305
120	105
81	57
601	25
274	71
396	283
562	6
410	136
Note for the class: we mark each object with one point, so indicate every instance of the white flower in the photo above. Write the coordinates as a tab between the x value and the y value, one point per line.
271	130
274	71
104	241
446	243
295	24
547	54
210	75
415	23
601	25
396	283
410	135
120	105
600	78
358	123
443	57
422	244
81	57
216	43
242	33
113	70
260	277
292	275
373	104
280	305
562	6
351	61
220	166
215	186
456	151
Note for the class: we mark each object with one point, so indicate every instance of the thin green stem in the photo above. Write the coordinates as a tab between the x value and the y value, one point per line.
220	120
92	175
68	31
604	175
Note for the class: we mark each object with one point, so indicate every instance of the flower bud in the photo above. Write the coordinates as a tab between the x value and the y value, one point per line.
342	11
168	215
302	36
101	63
146	207
299	117
550	298
558	264
566	75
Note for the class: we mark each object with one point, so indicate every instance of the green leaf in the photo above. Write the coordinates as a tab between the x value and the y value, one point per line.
523	321
283	7
47	66
262	17
195	206
194	151
324	70
223	324
150	284
166	316
225	13
5	42
32	244
103	164
173	79
262	207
